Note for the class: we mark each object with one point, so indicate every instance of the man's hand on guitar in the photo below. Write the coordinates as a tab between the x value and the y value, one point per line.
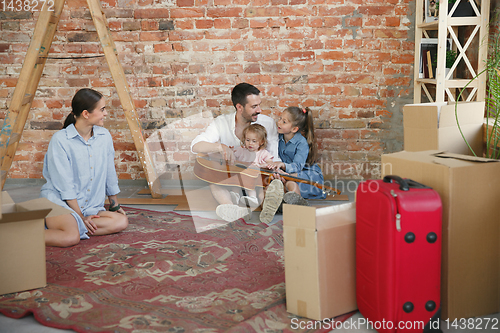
227	153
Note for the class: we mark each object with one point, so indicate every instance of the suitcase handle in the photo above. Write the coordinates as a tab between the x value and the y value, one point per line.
403	185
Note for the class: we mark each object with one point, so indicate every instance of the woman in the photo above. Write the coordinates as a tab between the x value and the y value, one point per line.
80	172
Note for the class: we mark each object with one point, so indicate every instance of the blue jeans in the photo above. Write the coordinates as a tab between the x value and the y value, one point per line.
315	174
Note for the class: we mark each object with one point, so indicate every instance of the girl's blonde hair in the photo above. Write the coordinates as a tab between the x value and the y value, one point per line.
303	119
259	130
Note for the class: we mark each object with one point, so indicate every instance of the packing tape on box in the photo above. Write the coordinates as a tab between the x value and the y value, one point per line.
300	238
302	308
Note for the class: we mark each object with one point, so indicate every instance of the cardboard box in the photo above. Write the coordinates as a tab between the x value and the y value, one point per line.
22	243
433	126
470	192
320	267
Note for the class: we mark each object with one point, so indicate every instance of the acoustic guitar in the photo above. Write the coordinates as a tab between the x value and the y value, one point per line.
214	169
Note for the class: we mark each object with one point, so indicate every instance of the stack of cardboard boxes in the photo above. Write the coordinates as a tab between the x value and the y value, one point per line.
319	247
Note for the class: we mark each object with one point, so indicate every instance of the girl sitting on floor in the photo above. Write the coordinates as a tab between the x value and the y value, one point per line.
298	152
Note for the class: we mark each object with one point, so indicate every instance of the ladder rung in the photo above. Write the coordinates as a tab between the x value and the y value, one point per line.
27	99
53	19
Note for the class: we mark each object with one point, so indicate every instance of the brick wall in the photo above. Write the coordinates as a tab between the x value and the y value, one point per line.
350	61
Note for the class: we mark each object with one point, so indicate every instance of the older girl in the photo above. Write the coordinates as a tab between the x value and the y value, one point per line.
298	151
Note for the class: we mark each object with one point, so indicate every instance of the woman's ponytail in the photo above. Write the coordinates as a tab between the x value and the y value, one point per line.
70	119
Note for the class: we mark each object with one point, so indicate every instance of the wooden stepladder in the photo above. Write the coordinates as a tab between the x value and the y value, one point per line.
30	76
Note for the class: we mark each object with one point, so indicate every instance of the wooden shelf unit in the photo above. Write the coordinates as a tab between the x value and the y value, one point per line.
443	87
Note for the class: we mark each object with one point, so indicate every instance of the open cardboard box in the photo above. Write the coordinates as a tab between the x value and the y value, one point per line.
22	243
469	188
320	269
433	126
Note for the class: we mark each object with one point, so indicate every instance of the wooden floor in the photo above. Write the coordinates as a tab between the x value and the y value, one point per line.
200	200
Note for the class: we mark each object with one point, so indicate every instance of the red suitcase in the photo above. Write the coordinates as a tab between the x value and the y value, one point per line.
398	255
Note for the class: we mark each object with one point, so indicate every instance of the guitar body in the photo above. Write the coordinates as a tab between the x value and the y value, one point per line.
216	170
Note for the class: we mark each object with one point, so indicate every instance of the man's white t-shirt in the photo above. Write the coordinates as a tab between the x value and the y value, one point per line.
222	130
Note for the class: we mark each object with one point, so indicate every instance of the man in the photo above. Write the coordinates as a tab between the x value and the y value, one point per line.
225	133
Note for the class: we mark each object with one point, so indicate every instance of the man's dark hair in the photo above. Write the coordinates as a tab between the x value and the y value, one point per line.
241	91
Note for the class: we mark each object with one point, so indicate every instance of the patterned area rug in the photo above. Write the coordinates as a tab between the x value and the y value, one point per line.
161	275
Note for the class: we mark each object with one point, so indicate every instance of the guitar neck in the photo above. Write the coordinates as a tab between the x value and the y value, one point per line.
267	172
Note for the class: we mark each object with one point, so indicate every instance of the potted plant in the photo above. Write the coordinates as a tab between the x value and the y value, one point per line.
451	56
492	101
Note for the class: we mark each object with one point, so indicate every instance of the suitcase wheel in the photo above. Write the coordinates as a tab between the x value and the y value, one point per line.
410	237
432	237
430	306
408	307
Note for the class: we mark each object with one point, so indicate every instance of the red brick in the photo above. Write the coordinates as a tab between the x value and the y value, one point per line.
314	45
373	21
163	47
201	46
185	35
204	24
371	57
140	103
69	26
186	12
237	24
258	23
376	10
185	24
153	36
366	103
390	33
151	14
185	3
102	82
253	68
92	48
148	25
77	82
392	21
8	82
224	12
396	81
108	3
335	10
263	11
125	36
294	23
334	55
403	59
297	56
353	22
359	78
302	11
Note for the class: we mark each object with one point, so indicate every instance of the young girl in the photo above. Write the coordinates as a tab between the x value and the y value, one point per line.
298	151
252	149
80	172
